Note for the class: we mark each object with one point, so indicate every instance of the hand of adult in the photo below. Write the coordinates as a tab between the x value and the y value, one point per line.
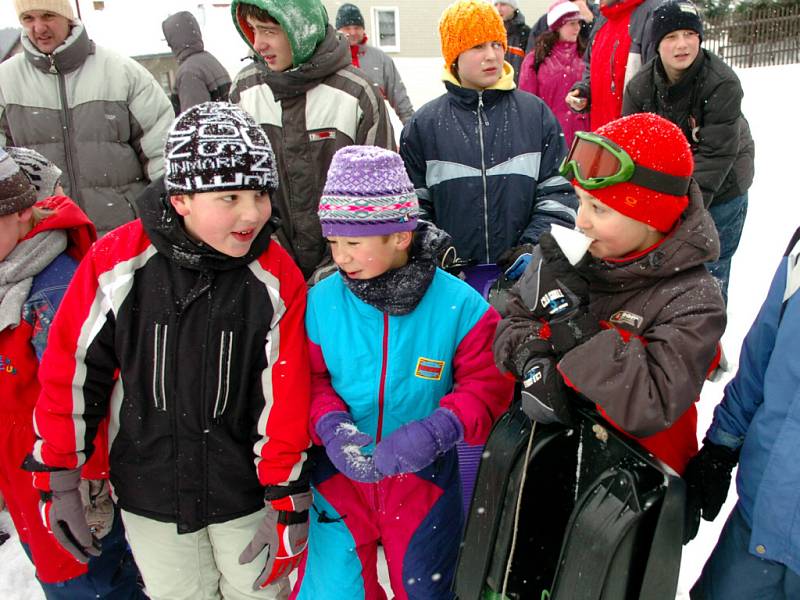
575	101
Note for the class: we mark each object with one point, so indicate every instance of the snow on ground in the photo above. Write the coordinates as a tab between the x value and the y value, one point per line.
773	216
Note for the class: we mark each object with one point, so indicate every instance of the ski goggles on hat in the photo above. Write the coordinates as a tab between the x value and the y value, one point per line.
596	162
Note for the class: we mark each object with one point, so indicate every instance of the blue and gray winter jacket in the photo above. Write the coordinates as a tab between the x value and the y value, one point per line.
761	413
485	167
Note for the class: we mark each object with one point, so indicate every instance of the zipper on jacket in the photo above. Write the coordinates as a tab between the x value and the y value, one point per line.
481	116
71	174
382	387
223	373
613	73
159	367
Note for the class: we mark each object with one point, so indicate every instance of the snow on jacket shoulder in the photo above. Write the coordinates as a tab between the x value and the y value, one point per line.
706	103
761	413
116	118
394	369
309	112
485	167
199	359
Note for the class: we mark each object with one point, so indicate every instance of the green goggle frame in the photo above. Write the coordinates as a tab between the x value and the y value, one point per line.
596	162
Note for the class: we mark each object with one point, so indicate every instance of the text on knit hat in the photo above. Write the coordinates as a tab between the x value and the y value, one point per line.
217	146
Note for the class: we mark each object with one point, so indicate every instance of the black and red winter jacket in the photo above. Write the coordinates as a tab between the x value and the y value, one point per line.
200	361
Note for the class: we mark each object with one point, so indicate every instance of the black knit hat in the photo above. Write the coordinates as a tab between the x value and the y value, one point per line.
16	191
217	146
673	15
349	14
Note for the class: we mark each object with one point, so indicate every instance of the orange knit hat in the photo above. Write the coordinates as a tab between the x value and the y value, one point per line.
469	23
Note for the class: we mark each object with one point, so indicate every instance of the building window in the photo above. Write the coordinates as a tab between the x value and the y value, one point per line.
386	22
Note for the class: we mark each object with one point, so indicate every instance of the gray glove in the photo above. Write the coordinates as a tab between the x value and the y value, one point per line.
284	534
63	513
98	506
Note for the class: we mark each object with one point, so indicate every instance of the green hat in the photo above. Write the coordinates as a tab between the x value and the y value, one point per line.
304	22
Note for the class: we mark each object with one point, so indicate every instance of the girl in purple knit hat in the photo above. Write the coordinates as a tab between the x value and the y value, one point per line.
402	370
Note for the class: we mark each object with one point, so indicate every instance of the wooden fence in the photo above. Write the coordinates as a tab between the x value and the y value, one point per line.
756	38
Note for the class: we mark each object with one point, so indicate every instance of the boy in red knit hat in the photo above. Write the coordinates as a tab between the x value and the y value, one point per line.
634	326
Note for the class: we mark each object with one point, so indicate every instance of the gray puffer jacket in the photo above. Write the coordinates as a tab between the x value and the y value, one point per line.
200	77
99	116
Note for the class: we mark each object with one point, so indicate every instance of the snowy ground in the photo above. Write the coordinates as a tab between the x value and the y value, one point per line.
773	216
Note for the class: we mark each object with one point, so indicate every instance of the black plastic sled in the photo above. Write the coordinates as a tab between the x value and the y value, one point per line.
600	517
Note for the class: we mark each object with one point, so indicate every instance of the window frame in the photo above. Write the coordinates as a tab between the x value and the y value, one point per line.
376	40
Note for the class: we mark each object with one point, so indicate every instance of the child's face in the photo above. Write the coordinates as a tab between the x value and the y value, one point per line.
271	43
482	66
13	228
614	234
227	221
569	31
371	255
677	50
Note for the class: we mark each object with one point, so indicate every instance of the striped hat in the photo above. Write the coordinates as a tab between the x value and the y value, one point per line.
16	192
42	173
367	192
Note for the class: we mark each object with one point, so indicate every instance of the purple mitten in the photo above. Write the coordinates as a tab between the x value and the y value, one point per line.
343	442
417	444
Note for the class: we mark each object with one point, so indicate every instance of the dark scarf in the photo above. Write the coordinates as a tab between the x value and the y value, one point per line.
398	291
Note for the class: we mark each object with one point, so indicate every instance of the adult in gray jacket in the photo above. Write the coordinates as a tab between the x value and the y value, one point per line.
376	64
200	77
99	116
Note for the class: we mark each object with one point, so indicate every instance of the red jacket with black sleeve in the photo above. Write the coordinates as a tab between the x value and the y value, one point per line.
199	360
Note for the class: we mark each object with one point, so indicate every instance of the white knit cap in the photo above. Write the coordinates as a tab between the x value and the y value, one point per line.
511	3
563	10
59	7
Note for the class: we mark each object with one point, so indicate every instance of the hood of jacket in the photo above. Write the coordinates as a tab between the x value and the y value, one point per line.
692	242
468	98
66	216
68	57
165	229
304	21
332	55
183	35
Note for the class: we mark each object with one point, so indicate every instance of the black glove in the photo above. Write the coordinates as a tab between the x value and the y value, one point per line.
515	356
543	395
562	298
708	477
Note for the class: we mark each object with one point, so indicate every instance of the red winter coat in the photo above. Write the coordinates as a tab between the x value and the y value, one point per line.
20	350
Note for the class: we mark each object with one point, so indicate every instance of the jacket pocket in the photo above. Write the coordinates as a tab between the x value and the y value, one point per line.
159	366
223	373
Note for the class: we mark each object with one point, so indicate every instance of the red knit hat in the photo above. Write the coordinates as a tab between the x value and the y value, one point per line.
655	143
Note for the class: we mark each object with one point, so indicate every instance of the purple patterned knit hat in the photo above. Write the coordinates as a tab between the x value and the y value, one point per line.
367	192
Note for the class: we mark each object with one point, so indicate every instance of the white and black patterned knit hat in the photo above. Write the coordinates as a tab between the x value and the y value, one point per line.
16	192
42	173
217	146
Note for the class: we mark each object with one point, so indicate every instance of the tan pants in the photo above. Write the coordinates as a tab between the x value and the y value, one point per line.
203	565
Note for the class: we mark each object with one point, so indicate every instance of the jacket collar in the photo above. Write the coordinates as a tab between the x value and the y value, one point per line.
332	54
468	98
68	57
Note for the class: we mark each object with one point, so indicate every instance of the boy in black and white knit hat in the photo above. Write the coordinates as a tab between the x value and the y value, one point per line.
201	317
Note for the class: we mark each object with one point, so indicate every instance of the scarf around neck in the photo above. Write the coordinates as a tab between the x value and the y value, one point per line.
398	291
29	258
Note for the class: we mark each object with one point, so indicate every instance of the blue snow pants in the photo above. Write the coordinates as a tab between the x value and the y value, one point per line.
732	573
112	576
